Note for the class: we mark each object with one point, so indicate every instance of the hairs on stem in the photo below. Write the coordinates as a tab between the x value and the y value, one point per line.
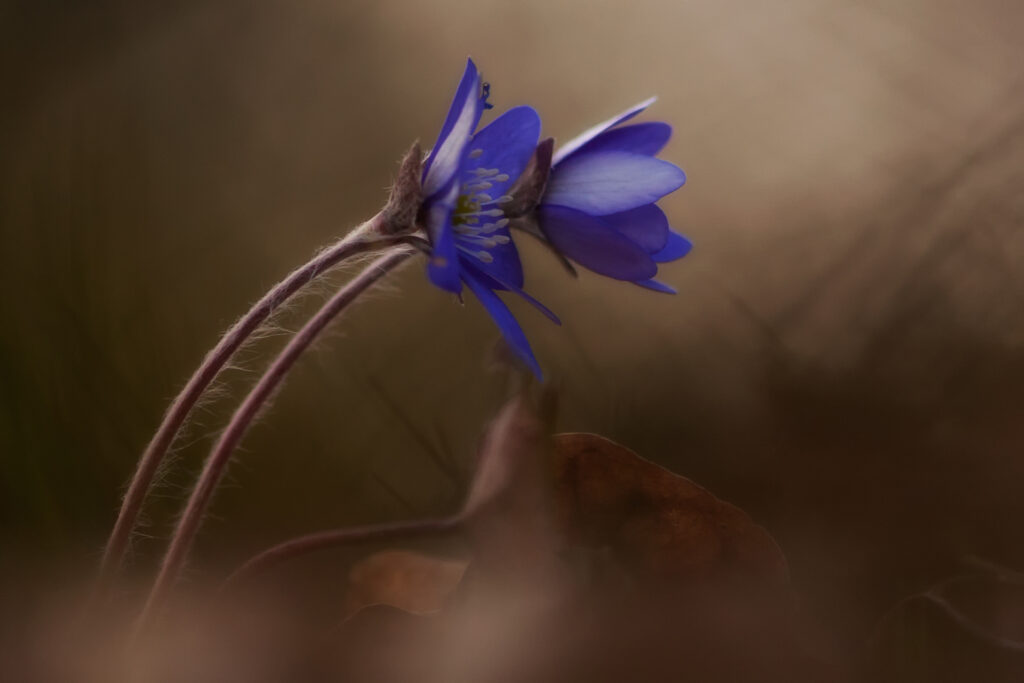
149	464
392	225
220	456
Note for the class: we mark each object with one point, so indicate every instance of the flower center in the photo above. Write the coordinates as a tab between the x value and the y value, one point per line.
474	236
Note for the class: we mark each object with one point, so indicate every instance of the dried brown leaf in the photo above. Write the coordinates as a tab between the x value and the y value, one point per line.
656	523
409	581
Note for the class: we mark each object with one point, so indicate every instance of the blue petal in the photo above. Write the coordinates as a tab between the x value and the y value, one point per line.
443	266
594	244
463	116
505	266
545	311
506	144
496	284
609	182
506	322
676	248
646	225
656	286
591	133
640	138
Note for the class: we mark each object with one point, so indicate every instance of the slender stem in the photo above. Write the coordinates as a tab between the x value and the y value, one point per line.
219	457
359	240
334	538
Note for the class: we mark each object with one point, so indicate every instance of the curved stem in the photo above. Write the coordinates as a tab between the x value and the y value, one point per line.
359	240
334	538
219	457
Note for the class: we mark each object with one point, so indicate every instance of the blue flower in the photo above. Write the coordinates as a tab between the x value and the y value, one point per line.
465	182
598	208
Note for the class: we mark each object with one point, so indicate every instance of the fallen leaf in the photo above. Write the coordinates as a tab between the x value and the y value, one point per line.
409	581
657	524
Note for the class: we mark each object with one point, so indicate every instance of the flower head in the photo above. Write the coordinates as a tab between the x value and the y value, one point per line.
598	208
465	181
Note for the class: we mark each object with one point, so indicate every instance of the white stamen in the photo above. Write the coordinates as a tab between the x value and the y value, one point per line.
487	242
503	199
476	153
489	212
481	255
487	228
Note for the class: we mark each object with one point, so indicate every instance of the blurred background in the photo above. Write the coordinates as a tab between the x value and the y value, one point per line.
845	358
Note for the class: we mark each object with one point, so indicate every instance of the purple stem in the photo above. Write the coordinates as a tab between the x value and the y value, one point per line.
219	457
302	545
355	242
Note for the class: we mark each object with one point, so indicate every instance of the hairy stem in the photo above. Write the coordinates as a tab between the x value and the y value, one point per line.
359	240
217	461
303	545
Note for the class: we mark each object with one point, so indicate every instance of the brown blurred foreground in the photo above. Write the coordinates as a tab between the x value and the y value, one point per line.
583	561
575	560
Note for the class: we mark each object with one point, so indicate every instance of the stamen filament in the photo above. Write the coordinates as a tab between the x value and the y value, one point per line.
479	255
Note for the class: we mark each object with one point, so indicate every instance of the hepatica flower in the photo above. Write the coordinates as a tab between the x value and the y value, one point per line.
599	209
595	202
466	178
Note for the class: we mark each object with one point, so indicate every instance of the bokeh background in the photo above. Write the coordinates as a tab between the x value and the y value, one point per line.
845	358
